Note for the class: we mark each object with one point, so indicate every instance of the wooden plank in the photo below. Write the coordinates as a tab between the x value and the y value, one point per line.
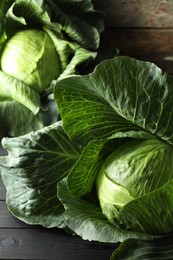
2	190
147	44
49	244
2	151
136	13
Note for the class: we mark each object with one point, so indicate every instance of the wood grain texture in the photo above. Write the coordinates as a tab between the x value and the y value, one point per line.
49	244
2	191
137	13
147	44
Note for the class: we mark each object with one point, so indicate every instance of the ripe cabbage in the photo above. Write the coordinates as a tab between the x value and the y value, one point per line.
25	57
105	172
132	175
41	42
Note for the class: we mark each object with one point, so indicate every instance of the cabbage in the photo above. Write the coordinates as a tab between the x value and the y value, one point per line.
128	176
105	172
25	57
41	42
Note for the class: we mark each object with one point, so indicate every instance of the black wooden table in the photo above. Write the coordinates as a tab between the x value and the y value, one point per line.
21	241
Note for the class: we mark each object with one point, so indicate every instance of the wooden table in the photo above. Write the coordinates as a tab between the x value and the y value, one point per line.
21	241
142	29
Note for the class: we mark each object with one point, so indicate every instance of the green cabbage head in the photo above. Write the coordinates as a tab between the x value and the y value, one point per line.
133	181
41	42
30	56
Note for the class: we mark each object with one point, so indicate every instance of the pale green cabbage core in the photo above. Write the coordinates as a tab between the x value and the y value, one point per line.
135	169
30	56
112	197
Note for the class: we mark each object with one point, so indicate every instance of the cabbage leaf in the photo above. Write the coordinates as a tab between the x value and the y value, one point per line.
36	162
133	249
121	95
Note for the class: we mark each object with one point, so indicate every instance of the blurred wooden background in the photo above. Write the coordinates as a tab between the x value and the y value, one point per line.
139	28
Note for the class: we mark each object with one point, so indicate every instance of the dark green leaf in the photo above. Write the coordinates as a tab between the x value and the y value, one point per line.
13	89
122	94
151	213
79	20
16	119
83	175
87	220
70	54
131	249
34	165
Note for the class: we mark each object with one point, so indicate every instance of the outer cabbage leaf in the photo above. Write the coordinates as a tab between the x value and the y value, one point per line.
70	53
5	5
31	170
122	94
79	20
11	112
22	111
30	11
87	220
83	175
151	213
13	89
131	249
